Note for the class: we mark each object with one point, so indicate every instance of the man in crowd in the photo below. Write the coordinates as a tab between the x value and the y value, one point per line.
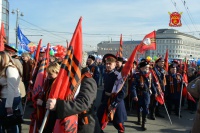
160	73
94	70
117	102
142	88
173	89
119	64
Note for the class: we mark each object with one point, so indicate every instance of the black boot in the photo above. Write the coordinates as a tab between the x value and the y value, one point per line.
143	122
139	119
152	113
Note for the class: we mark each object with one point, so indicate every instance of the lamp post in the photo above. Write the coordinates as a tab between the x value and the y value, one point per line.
17	19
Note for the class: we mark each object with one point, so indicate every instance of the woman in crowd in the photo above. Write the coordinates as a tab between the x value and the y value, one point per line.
10	94
52	70
28	65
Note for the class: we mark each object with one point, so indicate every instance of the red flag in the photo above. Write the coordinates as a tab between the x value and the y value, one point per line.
129	64
185	78
166	61
2	37
185	93
189	97
148	43
120	47
121	78
37	56
41	75
66	83
38	51
38	114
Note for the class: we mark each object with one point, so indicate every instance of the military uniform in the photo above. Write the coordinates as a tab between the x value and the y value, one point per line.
84	102
120	114
94	69
95	72
116	102
154	106
142	88
173	90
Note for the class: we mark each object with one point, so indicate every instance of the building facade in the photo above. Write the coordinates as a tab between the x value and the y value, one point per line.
179	45
4	15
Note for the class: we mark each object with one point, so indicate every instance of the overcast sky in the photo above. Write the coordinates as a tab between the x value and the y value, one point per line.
103	20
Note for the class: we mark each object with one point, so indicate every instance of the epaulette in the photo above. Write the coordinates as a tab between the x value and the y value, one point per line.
116	73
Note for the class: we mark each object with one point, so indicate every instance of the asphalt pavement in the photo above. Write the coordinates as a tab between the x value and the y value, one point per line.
160	125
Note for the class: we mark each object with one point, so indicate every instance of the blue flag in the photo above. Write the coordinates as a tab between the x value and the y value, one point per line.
22	38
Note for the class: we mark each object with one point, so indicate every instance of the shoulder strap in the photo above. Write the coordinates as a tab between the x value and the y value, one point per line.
7	68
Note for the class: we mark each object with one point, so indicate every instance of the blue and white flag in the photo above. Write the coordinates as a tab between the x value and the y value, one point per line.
22	38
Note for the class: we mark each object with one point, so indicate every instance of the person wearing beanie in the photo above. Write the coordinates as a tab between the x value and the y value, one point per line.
94	70
119	64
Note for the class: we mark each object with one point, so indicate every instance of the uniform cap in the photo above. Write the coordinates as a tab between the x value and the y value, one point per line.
91	57
172	66
120	59
143	64
175	62
9	48
109	58
159	59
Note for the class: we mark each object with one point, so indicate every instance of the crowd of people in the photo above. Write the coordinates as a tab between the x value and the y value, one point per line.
146	81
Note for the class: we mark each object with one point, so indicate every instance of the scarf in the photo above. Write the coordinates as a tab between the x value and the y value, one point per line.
172	83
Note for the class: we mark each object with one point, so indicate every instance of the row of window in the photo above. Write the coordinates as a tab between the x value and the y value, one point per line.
170	41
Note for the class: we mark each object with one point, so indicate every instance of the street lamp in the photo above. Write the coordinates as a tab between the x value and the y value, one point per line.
17	19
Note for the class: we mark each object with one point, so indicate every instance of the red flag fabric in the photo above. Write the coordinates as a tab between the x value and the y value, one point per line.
2	37
148	43
38	114
120	47
41	75
65	85
166	61
160	96
189	97
37	56
185	79
38	51
185	93
121	78
129	64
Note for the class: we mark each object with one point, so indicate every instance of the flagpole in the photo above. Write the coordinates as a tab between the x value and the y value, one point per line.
44	121
34	129
168	114
179	112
